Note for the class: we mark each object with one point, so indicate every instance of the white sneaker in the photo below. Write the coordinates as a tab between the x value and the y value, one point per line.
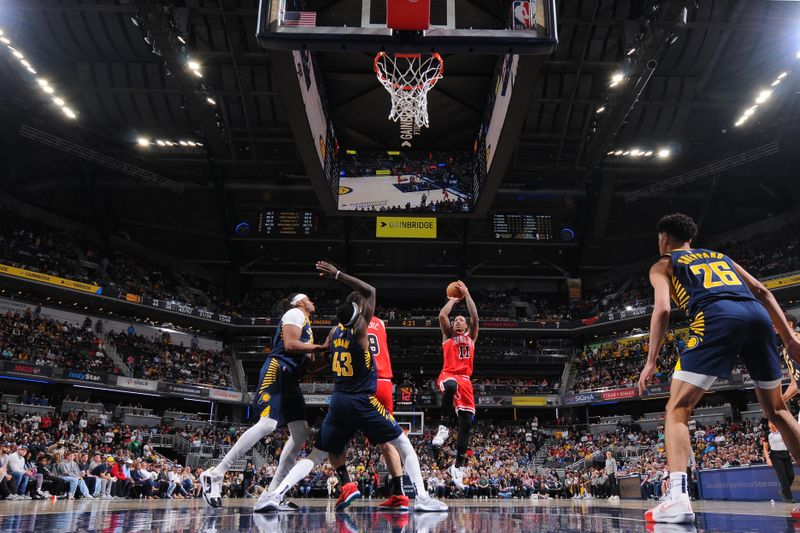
428	522
441	436
429	504
212	488
287	506
268	502
457	474
671	512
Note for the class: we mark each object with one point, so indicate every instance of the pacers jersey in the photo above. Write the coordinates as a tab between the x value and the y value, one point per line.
379	348
701	277
295	362
792	365
459	353
353	369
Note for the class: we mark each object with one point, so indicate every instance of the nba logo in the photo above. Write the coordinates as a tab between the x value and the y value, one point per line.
522	16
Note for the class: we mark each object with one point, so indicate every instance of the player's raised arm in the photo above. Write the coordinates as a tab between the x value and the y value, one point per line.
768	300
444	318
367	292
660	280
472	309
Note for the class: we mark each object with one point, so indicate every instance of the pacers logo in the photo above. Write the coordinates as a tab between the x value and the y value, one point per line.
692	342
265	397
344	190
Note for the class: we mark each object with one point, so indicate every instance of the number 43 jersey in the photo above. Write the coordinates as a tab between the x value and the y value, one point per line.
352	365
701	277
459	354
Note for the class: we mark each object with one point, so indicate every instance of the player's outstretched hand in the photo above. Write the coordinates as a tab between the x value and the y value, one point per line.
644	378
326	270
463	287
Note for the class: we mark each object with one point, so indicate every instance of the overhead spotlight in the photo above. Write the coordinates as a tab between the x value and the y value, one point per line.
763	96
183	143
610	153
181	39
214	102
648	153
43	82
69	112
24	63
636	152
617	78
798	54
191	143
4	40
169	143
31	70
664	153
160	142
782	75
199	144
774	83
143	141
631	51
48	89
17	54
741	121
618	152
626	152
197	73
750	111
194	65
58	101
135	21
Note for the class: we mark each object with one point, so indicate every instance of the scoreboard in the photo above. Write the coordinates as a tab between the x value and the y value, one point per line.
287	223
522	227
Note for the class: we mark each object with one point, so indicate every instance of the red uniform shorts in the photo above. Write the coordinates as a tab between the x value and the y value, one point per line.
465	398
383	393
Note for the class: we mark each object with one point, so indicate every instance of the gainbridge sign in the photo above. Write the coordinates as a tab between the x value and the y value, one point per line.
405	227
52	280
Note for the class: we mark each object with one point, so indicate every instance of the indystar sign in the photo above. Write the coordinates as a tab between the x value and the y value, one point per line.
405	227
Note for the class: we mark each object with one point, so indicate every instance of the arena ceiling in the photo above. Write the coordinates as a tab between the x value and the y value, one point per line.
706	73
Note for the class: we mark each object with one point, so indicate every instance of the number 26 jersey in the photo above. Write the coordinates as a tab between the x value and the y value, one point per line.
459	354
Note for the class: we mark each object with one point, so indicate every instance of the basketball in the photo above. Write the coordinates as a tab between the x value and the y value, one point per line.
453	290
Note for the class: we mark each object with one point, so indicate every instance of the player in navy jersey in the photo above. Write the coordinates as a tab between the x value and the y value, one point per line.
731	314
278	398
793	367
353	405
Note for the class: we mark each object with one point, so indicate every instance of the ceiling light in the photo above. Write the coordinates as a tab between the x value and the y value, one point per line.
160	142
169	143
618	152
631	51
763	96
194	65
616	78
31	70
183	143
636	152
43	82
58	101
741	121
18	55
601	109
774	83
782	75
69	112
626	152
214	102
24	63
648	153
750	110
4	40
199	144
197	73
181	39
191	143
143	141
610	153
664	153
48	89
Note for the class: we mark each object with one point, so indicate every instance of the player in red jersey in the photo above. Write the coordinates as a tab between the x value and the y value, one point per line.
379	349
458	344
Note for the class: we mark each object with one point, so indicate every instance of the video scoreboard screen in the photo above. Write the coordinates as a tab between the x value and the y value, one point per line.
287	223
523	227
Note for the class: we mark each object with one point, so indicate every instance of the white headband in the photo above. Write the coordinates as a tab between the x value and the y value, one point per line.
355	314
297	298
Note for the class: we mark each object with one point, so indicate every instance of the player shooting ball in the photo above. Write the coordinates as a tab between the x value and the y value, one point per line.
458	345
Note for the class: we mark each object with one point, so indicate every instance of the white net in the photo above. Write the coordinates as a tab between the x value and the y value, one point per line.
408	78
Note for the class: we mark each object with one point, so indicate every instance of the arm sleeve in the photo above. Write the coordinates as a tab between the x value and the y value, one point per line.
295	317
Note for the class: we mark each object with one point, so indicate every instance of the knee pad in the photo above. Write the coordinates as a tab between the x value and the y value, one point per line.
450	386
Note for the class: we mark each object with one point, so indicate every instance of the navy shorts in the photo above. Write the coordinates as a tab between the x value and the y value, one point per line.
725	329
278	394
347	414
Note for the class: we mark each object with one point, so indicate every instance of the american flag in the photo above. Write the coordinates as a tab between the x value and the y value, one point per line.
300	18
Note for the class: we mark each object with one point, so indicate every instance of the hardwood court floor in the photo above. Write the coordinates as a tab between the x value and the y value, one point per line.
156	516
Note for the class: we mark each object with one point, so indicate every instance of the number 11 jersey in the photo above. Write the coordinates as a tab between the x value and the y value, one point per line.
459	354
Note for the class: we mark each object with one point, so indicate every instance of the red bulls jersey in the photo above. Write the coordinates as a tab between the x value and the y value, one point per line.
459	353
379	348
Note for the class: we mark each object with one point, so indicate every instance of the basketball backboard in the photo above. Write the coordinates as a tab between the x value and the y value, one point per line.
478	26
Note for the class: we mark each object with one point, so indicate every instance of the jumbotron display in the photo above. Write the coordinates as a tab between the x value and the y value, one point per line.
514	226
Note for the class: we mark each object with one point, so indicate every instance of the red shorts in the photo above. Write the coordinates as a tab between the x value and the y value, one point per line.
383	394
465	398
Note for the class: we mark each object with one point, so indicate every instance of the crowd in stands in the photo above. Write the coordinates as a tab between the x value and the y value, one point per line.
31	338
159	359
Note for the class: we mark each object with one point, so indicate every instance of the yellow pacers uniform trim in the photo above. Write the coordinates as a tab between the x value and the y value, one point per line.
380	408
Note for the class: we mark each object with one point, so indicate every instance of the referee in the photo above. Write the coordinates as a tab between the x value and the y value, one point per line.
778	457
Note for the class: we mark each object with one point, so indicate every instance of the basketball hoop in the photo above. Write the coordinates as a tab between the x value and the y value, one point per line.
408	78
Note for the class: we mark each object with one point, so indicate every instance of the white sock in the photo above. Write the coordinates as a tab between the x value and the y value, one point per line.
249	438
411	463
678	486
300	470
298	434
